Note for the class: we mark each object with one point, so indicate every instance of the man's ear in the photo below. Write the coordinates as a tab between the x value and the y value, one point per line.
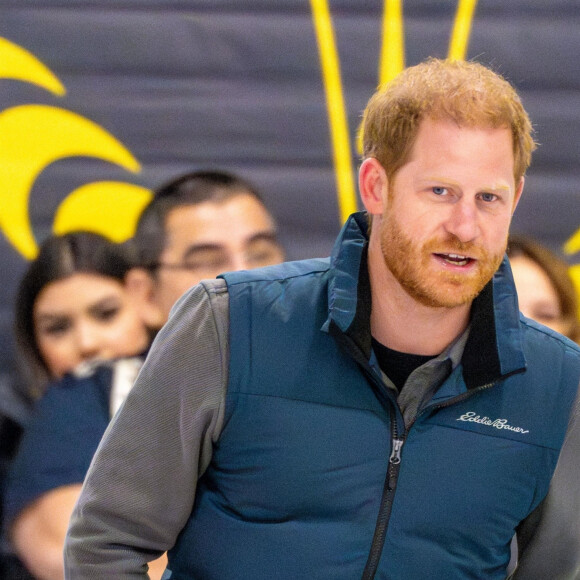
141	287
372	182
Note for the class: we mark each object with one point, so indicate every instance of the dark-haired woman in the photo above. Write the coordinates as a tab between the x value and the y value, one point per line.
76	307
546	293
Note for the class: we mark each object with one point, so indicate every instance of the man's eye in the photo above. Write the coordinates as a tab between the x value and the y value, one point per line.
206	263
439	190
264	254
488	197
106	314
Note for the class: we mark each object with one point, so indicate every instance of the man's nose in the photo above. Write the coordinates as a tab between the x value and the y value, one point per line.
240	261
463	220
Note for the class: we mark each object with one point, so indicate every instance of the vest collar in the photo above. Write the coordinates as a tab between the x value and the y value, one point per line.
494	347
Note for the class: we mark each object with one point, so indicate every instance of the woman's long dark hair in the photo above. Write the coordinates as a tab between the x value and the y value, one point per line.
60	257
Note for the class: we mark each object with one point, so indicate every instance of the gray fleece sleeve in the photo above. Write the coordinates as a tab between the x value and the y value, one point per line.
552	538
140	488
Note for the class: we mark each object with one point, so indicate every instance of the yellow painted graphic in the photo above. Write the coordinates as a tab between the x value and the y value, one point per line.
392	60
461	29
33	136
341	148
109	208
575	275
572	246
19	64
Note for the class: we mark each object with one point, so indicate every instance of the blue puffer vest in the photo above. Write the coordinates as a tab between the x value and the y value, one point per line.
314	476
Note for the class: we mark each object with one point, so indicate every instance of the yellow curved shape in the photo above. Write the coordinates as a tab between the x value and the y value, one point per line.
109	208
341	148
34	136
461	29
19	64
574	272
392	59
572	245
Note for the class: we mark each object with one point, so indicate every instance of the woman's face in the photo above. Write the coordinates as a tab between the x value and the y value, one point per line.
84	317
537	296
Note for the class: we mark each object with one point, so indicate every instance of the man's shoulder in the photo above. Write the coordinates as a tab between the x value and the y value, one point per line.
550	354
546	337
278	272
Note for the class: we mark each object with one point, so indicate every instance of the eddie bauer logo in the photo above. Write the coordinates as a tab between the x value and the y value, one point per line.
471	417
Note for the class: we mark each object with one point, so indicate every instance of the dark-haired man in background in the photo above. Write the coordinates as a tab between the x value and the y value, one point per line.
199	225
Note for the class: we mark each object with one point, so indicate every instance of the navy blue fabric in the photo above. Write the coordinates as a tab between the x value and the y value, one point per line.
61	439
295	484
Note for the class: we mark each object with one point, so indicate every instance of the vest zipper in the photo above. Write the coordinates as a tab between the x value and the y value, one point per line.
391	477
395	457
391	483
386	505
394	466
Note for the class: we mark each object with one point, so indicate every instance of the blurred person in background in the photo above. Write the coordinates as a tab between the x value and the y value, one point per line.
546	293
74	307
195	227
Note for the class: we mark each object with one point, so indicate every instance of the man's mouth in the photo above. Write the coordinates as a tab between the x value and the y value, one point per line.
456	259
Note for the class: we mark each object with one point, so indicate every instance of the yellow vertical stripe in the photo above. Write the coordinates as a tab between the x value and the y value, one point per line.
461	29
392	59
337	116
392	56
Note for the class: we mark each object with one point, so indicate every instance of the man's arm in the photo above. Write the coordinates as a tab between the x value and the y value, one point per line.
38	531
140	488
551	539
38	534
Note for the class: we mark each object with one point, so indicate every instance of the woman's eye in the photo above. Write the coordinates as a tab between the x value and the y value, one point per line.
439	190
57	328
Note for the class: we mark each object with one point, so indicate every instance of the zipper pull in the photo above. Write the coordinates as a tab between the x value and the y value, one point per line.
395	457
